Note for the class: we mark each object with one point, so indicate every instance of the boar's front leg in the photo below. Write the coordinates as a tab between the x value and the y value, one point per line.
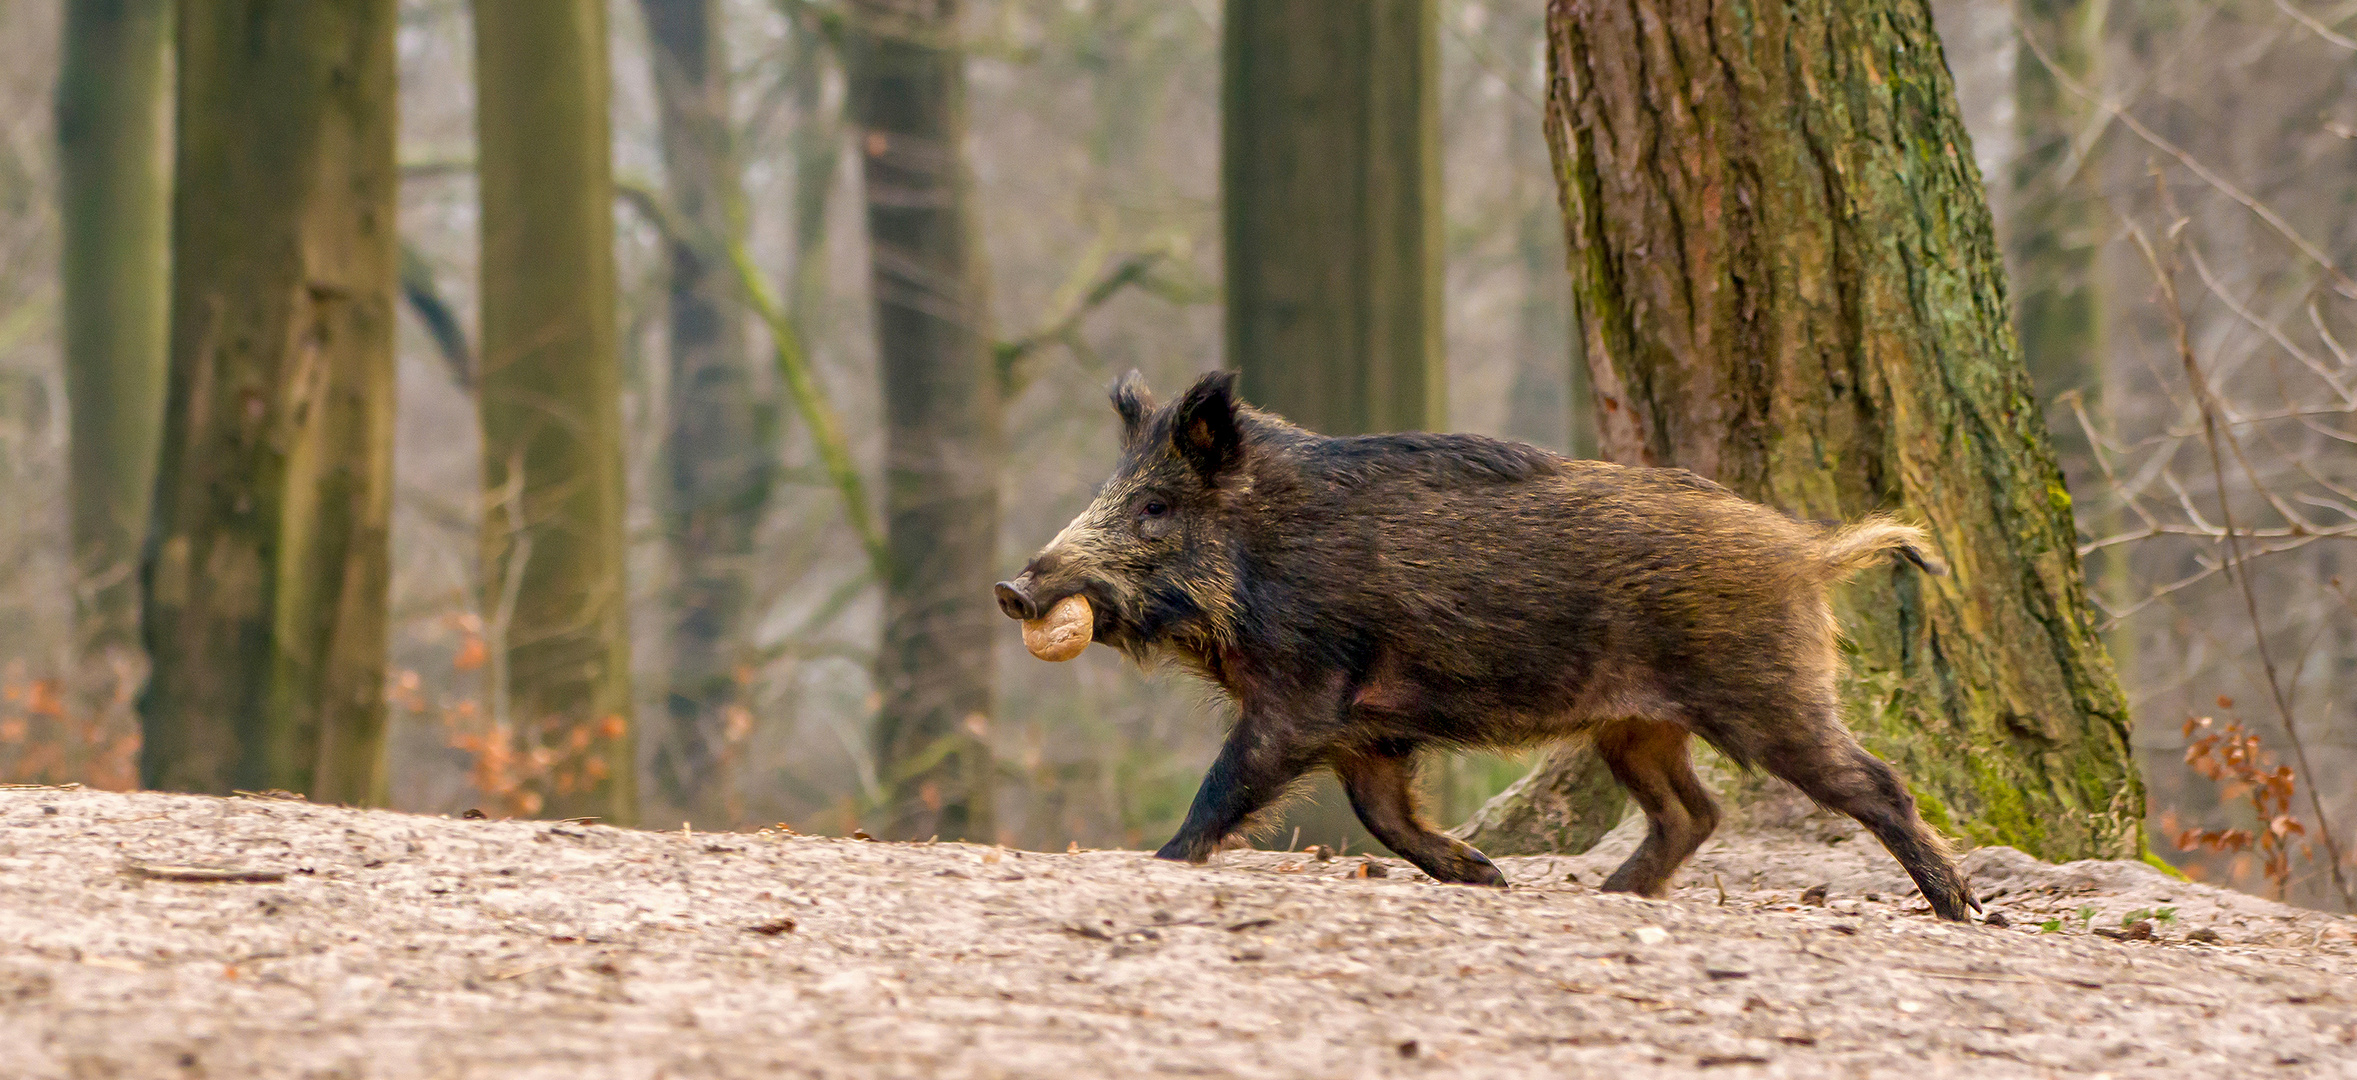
1255	766
1381	785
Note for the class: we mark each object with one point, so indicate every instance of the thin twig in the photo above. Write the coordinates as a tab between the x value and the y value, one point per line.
785	338
2342	283
2312	23
1011	354
511	587
438	317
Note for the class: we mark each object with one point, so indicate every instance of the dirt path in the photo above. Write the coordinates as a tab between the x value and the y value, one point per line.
373	944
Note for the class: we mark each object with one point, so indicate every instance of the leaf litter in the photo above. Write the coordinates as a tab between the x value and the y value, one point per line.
172	935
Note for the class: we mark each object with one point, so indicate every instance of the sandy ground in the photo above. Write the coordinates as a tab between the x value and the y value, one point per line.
374	944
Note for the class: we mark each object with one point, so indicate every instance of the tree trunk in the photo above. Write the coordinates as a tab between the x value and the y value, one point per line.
2058	221
1566	803
1330	193
1550	376
265	582
1330	131
1789	282
114	102
717	445
817	151
550	406
942	415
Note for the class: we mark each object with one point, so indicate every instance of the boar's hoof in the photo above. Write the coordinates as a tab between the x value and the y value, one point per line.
1467	866
1178	850
1063	632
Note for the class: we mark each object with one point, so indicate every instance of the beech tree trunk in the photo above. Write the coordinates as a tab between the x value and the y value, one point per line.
1330	198
265	579
1789	282
942	441
1330	188
2058	220
717	447
114	147
549	399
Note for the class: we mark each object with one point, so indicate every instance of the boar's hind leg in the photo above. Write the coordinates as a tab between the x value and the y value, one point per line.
1840	775
1382	792
1649	758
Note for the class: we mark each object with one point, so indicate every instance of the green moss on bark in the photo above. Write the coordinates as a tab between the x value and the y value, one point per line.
264	582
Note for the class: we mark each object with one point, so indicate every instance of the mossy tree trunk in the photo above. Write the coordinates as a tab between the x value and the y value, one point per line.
549	399
114	147
1330	197
1789	282
265	580
943	446
718	449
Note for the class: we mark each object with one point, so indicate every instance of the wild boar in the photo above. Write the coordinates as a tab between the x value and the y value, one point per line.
1364	598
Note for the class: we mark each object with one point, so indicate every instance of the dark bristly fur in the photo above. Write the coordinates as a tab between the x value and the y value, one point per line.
1364	598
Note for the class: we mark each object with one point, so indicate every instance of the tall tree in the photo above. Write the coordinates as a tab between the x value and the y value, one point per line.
1330	197
717	448
1789	282
114	115
265	578
549	400
942	416
1330	187
2058	218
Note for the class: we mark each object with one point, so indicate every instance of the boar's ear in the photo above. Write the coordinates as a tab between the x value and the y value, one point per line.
1134	402
1204	429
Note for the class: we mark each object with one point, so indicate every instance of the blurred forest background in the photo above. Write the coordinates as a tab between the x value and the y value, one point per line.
2206	430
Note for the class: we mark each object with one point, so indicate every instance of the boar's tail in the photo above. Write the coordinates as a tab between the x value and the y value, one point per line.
1854	547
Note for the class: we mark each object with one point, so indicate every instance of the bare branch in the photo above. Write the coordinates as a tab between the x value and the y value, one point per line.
1062	328
810	399
2275	333
435	313
2342	283
2193	374
2312	23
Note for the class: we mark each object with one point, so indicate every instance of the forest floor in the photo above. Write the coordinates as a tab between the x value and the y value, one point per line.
375	944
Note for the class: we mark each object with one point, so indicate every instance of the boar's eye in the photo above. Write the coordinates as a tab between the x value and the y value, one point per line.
1153	516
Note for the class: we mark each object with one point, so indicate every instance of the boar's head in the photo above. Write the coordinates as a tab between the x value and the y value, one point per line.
1155	554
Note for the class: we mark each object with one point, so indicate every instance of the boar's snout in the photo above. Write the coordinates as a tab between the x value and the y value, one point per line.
1014	598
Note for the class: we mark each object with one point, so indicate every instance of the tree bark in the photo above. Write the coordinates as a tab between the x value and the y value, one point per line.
942	415
718	447
1789	282
1566	803
549	401
1331	207
265	579
1330	177
114	136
